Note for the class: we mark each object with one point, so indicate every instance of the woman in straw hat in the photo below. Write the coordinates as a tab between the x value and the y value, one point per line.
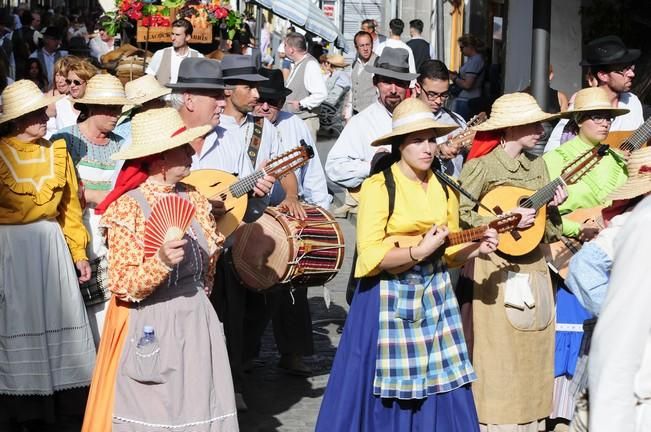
512	325
594	114
182	381
47	353
402	362
91	143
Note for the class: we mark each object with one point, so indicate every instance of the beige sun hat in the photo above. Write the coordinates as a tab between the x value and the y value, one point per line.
593	99
157	130
639	176
143	89
413	115
514	109
103	89
23	97
337	60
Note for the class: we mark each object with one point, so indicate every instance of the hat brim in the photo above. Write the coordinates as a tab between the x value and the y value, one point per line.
615	111
155	95
630	56
631	189
492	125
135	151
404	76
45	101
417	126
274	93
246	77
196	86
102	101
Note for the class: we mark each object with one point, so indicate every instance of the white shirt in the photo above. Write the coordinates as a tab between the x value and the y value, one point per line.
311	178
620	354
226	149
314	84
66	115
627	122
176	60
98	47
349	160
450	166
394	43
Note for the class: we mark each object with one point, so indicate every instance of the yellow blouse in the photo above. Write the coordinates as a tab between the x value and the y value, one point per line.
415	211
132	277
38	181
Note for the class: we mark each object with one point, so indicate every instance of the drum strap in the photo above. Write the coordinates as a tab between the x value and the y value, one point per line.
256	139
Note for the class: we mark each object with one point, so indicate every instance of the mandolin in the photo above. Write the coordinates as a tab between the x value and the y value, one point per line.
503	223
522	241
216	184
464	137
630	140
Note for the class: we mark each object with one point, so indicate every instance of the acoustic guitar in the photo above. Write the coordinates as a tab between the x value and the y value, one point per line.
460	137
503	223
522	241
220	185
630	140
558	254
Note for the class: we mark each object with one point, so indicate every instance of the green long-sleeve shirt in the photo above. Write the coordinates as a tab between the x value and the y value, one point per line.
593	188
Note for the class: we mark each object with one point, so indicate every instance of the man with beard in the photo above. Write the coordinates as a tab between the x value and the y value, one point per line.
612	66
349	160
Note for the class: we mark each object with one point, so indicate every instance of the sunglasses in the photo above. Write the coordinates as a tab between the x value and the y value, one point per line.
274	103
75	82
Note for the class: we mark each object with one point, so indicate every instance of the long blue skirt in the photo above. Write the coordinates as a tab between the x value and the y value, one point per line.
349	403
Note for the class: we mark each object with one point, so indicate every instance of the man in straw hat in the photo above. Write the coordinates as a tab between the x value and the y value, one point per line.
593	113
199	97
349	160
305	82
613	67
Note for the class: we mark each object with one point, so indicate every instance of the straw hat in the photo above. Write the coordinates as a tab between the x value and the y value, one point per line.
514	109
144	89
337	60
413	115
157	130
639	176
593	99
23	97
103	89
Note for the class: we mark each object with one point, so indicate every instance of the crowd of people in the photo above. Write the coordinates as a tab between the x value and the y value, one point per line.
460	319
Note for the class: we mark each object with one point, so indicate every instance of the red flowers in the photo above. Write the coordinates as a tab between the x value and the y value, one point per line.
156	20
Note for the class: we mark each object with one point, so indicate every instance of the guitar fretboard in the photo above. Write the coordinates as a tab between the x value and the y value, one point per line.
245	184
466	236
543	195
639	137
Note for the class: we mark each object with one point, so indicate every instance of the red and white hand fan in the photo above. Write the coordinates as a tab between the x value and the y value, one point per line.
169	220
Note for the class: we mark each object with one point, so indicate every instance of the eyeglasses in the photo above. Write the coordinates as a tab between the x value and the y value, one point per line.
75	82
601	118
273	103
622	69
432	95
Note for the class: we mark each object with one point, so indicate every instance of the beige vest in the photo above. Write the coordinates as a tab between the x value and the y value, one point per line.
363	90
297	86
164	73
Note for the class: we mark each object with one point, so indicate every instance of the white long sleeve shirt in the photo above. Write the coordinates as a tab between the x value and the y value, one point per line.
620	354
314	84
349	160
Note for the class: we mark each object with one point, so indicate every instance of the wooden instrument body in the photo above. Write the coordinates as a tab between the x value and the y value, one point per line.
616	138
507	198
213	184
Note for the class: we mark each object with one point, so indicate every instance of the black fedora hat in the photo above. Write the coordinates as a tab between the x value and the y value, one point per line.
274	87
240	67
608	50
199	73
393	63
52	33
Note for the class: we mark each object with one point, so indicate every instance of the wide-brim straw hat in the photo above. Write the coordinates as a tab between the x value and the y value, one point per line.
157	130
337	60
413	115
23	97
639	176
103	89
593	99
143	89
514	109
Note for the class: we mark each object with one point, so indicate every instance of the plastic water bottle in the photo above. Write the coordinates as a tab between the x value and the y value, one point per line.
148	337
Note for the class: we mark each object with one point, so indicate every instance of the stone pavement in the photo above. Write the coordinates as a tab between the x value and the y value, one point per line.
280	402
